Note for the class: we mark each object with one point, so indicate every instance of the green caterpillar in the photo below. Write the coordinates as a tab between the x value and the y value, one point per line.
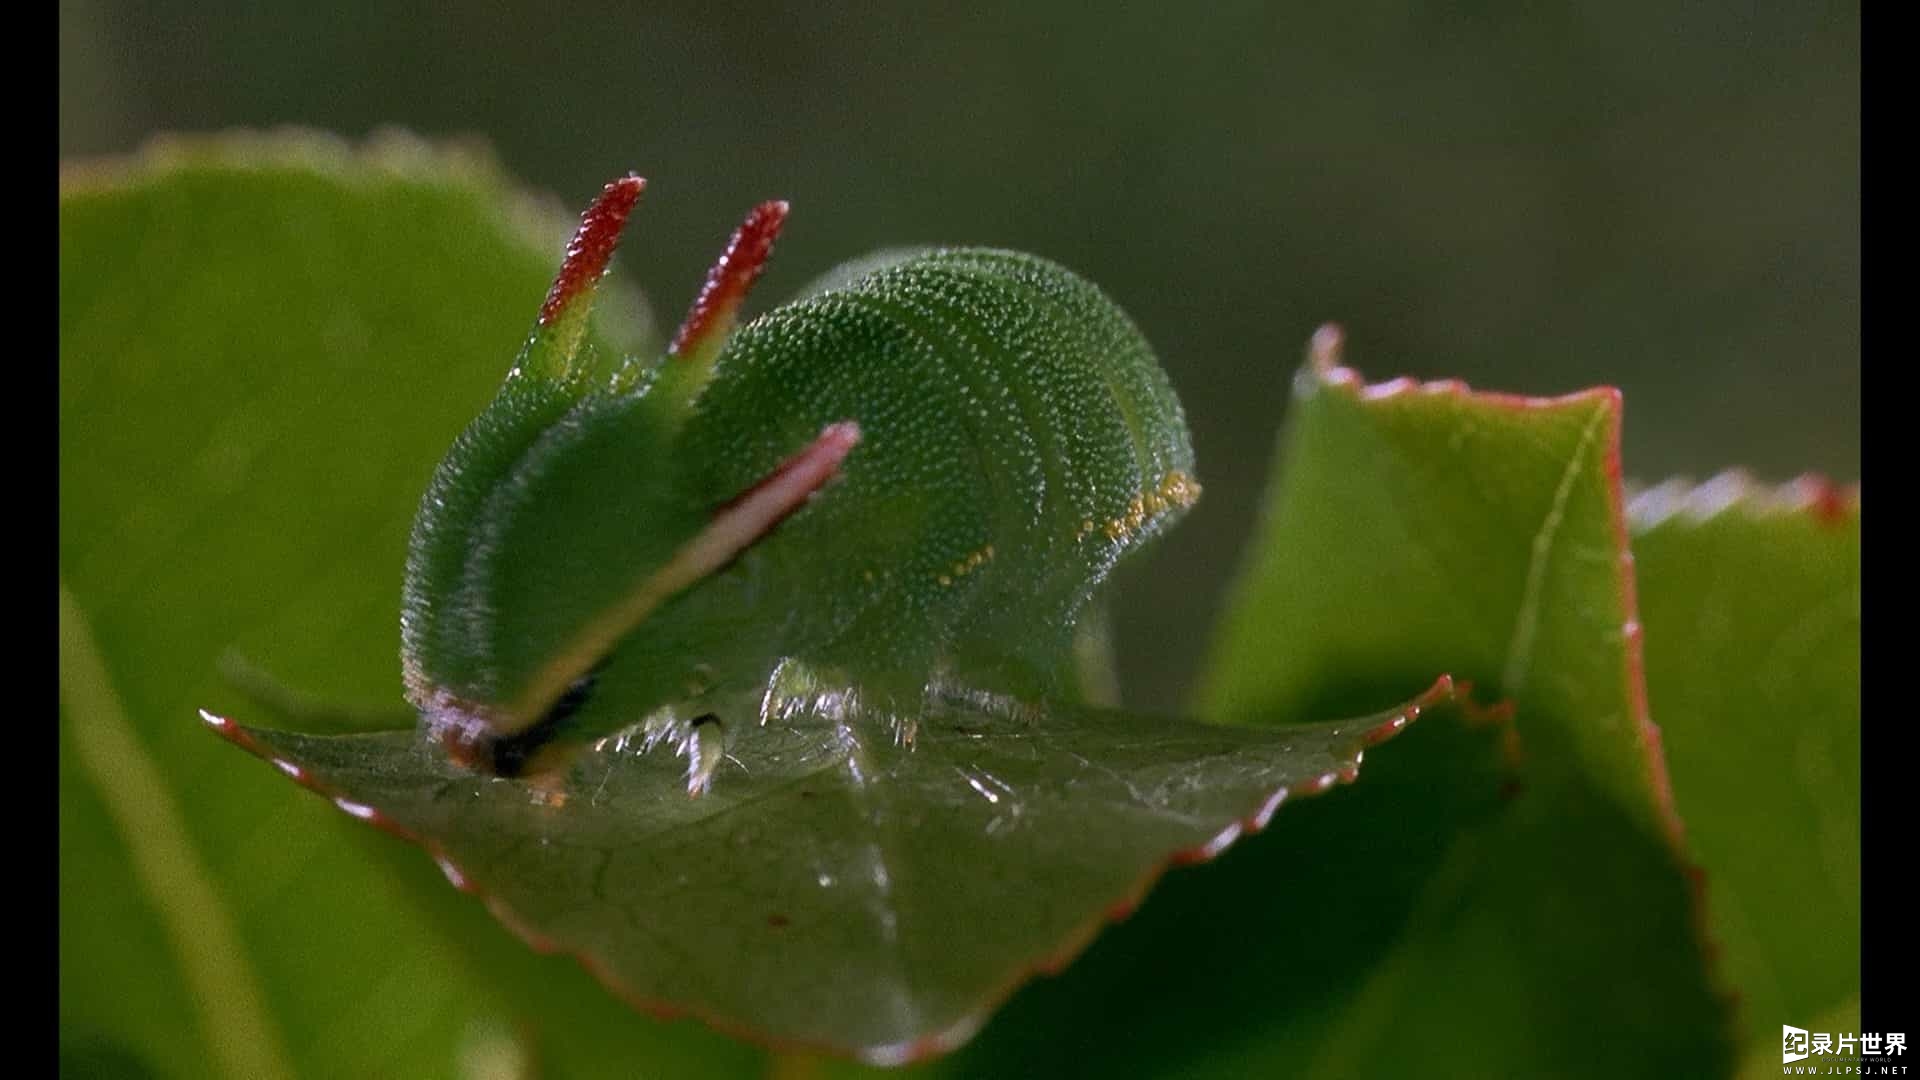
921	475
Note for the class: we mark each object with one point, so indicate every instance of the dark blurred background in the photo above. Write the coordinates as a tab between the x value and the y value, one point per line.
1664	197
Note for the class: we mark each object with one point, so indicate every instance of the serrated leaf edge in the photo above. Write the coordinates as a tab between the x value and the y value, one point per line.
908	1052
1680	501
1325	368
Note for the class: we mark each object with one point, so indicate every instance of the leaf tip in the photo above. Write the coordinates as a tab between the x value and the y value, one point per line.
1325	348
1443	690
1829	503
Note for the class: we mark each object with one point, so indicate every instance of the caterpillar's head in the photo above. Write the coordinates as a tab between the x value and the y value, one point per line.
560	519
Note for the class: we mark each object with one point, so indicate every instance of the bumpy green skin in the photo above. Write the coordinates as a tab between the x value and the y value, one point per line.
1018	440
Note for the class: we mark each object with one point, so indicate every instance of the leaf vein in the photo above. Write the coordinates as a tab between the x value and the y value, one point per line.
1526	624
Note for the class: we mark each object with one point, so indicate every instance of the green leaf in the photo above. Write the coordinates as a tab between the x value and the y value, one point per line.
265	346
1423	923
1751	599
839	887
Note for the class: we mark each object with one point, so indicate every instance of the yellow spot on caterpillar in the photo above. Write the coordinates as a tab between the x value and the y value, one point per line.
972	562
1175	491
966	566
1179	489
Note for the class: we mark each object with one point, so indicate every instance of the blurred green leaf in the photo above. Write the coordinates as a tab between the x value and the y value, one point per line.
1424	923
1752	606
919	882
266	344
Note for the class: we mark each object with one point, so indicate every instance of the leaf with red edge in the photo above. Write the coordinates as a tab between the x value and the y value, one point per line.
1751	598
1507	906
839	887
